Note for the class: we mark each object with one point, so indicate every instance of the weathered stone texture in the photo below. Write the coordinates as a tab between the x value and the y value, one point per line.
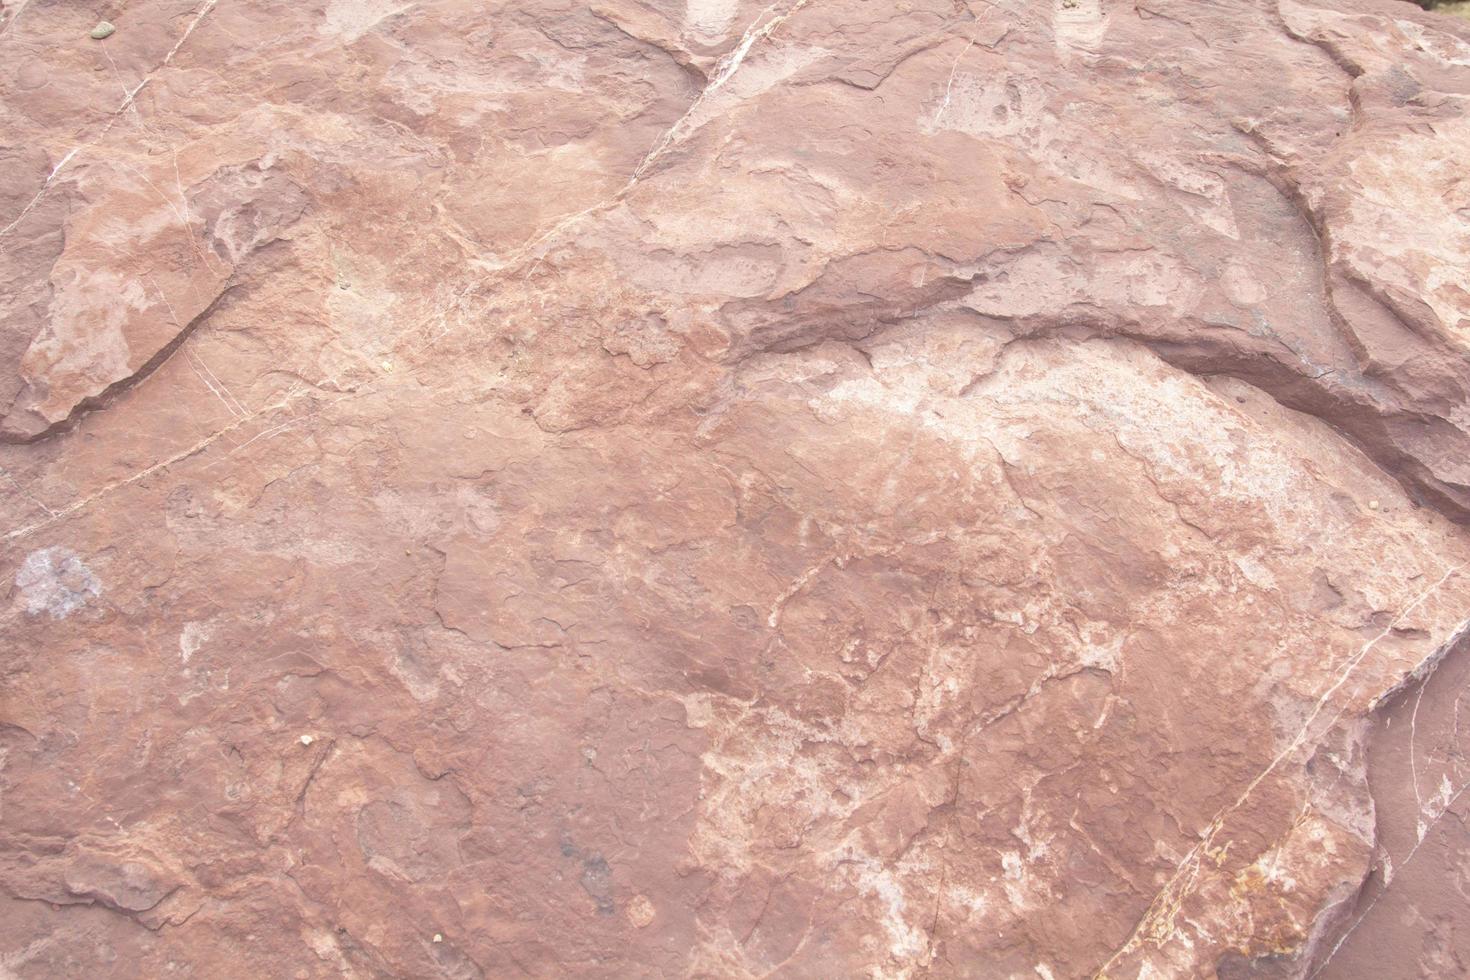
645	489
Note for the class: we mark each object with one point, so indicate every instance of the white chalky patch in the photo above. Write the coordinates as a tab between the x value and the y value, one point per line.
54	580
710	18
1079	25
351	19
191	638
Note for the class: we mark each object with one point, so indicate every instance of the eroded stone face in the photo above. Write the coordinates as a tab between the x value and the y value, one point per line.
726	490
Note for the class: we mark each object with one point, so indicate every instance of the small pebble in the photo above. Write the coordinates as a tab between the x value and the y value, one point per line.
307	740
387	365
438	938
102	30
1372	505
641	911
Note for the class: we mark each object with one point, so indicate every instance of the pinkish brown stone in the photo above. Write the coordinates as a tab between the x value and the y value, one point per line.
827	489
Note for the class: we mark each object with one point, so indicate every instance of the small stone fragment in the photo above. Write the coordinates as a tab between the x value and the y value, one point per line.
438	937
640	911
102	30
1373	505
307	740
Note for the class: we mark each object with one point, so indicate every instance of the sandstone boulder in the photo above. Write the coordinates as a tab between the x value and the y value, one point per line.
831	488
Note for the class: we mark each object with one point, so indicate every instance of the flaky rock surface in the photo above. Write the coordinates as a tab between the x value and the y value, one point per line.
713	489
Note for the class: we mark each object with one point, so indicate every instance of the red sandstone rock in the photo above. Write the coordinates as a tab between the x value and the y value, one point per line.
833	488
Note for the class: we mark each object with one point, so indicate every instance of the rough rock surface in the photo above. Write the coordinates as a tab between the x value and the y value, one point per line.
831	488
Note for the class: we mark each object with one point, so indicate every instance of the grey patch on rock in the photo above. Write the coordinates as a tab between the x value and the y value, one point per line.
596	875
54	580
102	31
597	882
